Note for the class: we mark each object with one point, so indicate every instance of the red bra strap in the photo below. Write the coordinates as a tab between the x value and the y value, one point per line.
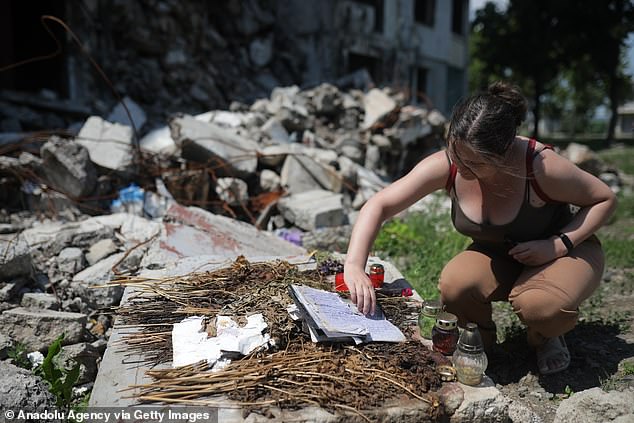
530	173
451	179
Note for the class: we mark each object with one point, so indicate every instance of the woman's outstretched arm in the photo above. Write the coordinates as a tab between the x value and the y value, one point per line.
429	175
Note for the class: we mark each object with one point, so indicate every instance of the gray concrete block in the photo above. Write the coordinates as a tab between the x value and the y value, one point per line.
15	257
11	290
83	354
295	178
203	141
109	144
37	329
594	405
70	260
67	167
313	209
301	173
377	105
40	301
20	389
86	283
6	343
100	250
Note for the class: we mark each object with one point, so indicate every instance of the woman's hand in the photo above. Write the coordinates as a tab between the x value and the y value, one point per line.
361	289
536	253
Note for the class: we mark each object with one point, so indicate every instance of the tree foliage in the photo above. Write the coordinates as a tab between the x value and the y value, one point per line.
548	47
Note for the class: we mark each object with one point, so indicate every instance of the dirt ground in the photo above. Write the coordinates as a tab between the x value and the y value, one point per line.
601	347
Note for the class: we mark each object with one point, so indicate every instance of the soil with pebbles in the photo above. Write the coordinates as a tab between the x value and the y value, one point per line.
600	345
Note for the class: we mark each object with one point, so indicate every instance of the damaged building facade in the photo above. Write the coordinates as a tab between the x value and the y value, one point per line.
193	56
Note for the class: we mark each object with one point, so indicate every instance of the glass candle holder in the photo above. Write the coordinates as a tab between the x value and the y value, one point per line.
427	318
377	275
469	358
444	335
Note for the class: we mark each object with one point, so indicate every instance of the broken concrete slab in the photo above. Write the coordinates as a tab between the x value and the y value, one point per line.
6	343
593	405
67	167
326	175
313	209
83	354
377	105
202	142
70	260
327	99
276	132
37	329
53	237
87	283
223	118
192	231
274	155
10	290
39	300
21	390
132	229
295	178
269	180
482	403
411	126
100	250
436	119
159	141
109	144
15	256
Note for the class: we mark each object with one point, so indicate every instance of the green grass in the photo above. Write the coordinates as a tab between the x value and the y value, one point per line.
616	236
620	158
421	245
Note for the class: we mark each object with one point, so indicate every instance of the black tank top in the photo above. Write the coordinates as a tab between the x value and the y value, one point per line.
530	223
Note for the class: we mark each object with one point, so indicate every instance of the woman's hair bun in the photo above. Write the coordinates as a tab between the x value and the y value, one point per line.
511	95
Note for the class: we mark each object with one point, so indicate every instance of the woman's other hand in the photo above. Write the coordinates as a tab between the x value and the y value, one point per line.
536	253
361	289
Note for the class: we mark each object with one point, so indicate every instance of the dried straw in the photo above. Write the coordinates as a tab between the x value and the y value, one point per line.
295	372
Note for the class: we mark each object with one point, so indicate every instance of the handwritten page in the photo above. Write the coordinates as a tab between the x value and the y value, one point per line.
337	317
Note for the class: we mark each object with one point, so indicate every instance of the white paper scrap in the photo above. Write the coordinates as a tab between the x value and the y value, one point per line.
192	344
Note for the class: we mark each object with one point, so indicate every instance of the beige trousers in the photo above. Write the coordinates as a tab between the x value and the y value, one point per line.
545	298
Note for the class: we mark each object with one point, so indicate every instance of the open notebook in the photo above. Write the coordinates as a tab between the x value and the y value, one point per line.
332	318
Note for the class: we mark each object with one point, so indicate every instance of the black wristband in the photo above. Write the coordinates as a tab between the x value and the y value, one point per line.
567	242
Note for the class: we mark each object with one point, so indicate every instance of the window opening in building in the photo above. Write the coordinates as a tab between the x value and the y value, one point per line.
455	86
424	11
378	6
457	17
419	80
360	61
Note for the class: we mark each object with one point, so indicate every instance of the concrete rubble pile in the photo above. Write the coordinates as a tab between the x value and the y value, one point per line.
299	163
308	159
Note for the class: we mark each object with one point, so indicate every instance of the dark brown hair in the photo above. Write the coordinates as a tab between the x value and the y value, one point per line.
488	121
